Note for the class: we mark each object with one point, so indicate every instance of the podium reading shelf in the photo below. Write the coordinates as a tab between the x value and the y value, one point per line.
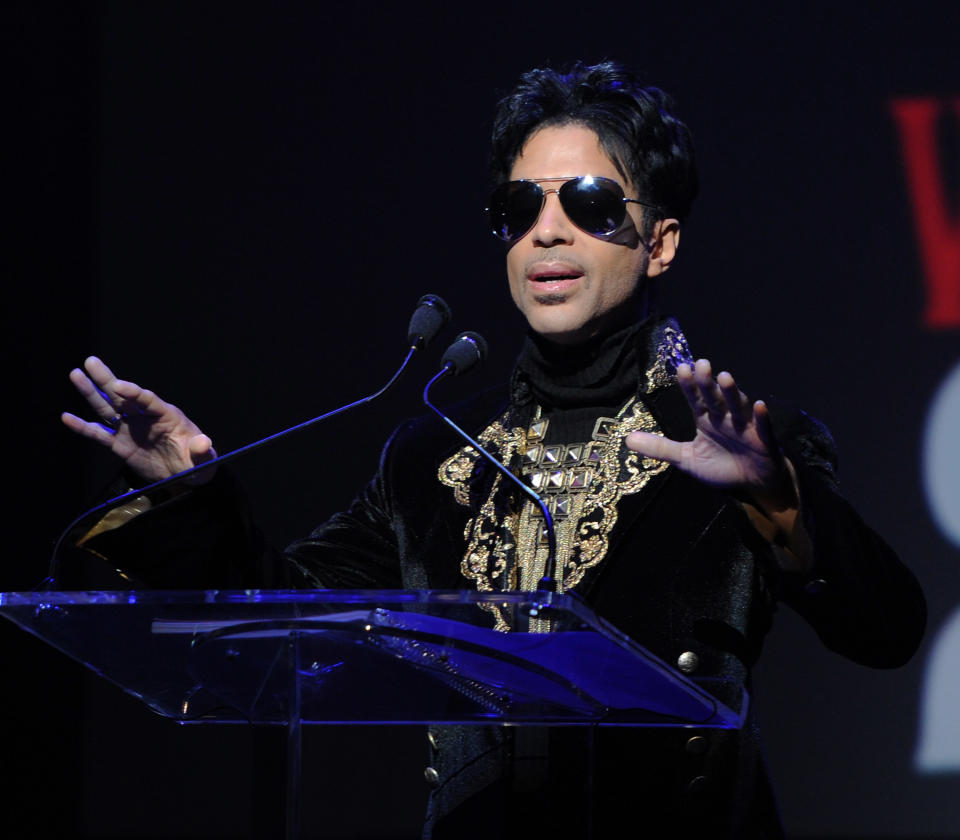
367	656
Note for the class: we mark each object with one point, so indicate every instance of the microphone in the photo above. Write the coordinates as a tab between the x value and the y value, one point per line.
467	351
429	318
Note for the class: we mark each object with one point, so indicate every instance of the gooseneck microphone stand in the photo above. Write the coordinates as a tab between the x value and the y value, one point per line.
468	350
429	317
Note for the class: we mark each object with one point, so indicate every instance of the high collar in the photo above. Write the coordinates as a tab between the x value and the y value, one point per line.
603	371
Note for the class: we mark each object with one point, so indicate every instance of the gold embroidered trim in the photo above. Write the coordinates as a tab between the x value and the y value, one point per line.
489	536
117	517
505	548
672	351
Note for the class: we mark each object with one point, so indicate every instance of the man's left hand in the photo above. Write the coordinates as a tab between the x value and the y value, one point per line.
734	447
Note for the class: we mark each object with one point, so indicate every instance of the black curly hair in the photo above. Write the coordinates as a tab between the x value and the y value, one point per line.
636	125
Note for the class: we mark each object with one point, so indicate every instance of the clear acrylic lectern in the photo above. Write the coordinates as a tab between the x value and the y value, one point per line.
390	656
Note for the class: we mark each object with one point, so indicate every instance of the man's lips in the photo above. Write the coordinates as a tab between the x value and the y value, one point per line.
554	275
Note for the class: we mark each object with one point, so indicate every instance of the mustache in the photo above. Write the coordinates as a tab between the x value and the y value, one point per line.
556	260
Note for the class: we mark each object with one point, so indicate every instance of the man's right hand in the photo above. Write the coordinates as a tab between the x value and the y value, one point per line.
154	438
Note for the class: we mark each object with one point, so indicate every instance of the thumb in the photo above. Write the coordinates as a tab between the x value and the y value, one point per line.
201	451
654	446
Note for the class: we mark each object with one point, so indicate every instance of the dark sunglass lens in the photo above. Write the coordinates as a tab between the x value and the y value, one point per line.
514	208
594	204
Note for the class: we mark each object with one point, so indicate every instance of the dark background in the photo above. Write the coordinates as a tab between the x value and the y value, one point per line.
238	206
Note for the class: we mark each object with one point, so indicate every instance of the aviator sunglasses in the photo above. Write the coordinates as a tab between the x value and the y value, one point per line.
594	204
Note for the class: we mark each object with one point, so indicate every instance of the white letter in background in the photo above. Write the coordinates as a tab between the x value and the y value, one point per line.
938	750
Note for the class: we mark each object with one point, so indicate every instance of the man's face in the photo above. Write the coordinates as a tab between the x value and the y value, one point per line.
570	285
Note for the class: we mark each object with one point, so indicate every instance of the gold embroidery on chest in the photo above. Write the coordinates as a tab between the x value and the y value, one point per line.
506	547
582	484
489	535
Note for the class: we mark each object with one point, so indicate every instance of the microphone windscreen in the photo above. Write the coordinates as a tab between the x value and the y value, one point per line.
430	316
467	350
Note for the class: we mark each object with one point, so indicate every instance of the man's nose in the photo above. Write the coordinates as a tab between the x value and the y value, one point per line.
552	227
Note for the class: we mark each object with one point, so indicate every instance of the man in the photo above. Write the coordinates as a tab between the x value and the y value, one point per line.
684	511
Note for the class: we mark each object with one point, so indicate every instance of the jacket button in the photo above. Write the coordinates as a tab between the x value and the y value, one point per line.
815	587
698	784
697	745
688	662
431	776
432	740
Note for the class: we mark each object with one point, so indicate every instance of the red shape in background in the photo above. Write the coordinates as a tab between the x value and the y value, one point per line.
937	234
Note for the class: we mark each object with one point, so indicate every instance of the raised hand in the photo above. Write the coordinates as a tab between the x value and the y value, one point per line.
155	438
734	447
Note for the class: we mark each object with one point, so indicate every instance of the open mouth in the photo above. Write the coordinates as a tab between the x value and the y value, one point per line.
554	278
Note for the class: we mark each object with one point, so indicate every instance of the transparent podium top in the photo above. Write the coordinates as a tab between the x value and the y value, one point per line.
386	656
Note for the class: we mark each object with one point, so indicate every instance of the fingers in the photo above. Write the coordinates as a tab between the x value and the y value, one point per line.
709	392
111	398
108	396
94	431
134	399
718	397
735	400
764	425
107	385
99	400
700	389
101	375
94	383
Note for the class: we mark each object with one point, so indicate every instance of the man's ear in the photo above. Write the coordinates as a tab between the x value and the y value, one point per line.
663	246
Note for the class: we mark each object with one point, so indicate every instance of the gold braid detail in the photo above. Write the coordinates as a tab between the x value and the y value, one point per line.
503	545
489	536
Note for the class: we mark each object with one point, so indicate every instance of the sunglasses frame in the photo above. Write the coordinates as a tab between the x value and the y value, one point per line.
567	179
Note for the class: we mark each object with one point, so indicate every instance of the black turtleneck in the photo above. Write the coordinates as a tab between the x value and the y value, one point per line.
573	385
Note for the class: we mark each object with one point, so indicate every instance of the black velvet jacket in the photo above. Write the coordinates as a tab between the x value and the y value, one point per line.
685	573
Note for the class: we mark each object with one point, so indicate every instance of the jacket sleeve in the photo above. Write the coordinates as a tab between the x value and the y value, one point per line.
355	549
206	538
859	598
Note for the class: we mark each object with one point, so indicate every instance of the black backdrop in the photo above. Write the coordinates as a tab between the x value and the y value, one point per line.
238	206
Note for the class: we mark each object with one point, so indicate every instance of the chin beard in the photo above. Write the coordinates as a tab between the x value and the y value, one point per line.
551	299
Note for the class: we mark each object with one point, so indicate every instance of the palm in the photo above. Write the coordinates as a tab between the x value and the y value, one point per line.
154	445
